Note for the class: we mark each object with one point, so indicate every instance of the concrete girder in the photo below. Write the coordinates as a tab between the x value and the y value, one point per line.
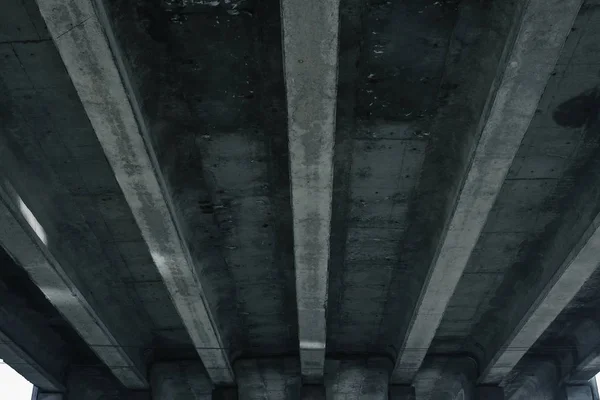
310	47
82	33
554	295
530	54
26	243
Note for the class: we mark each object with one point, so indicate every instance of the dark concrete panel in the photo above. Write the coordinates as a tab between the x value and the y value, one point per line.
91	383
216	112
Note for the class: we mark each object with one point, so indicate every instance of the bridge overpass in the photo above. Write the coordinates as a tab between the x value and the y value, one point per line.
300	199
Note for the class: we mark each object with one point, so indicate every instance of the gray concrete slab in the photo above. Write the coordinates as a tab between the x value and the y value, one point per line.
88	48
512	106
25	239
310	47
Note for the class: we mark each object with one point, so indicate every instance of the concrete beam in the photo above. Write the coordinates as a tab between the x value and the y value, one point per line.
310	46
30	348
557	288
25	240
82	33
540	31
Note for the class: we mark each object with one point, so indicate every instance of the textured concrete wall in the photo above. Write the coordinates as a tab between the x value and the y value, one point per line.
181	380
365	379
268	379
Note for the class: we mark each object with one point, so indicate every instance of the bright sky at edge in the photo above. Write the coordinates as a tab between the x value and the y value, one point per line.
12	385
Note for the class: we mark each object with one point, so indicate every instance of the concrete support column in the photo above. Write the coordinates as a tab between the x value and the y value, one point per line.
268	379
401	392
358	379
578	392
488	393
457	380
538	379
312	392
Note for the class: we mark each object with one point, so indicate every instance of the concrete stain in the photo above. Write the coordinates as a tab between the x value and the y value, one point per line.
579	110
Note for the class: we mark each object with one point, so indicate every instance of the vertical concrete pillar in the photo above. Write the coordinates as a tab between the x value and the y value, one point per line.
401	392
268	379
312	392
357	379
579	392
489	393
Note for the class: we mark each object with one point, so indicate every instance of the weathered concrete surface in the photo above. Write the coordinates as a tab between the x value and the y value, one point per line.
540	32
310	47
554	167
225	119
352	379
29	346
90	383
566	281
582	392
87	45
28	244
537	379
268	378
565	179
180	381
456	379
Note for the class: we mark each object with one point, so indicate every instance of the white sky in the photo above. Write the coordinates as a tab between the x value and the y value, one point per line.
12	385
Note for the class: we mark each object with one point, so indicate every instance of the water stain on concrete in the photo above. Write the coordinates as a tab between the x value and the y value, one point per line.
579	110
